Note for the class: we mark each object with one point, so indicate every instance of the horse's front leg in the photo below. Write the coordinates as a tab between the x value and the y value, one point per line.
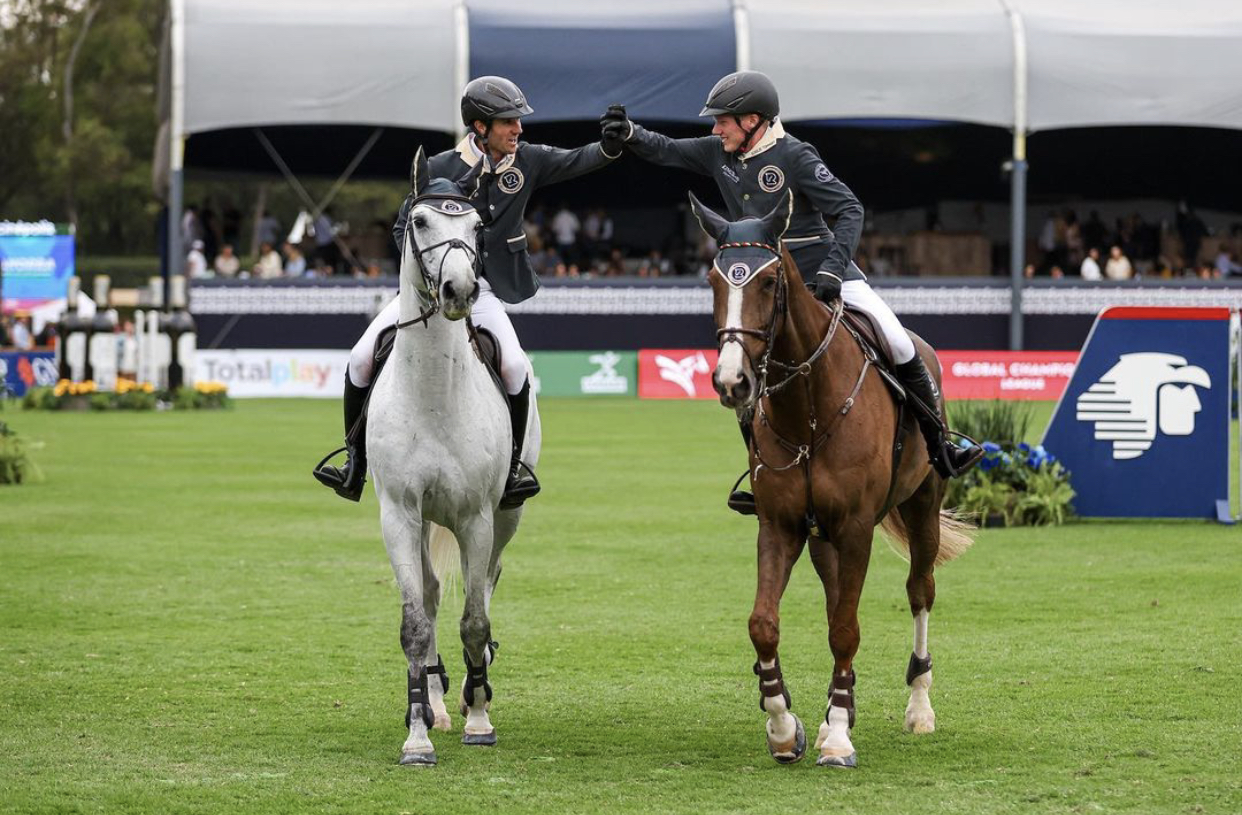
853	548
780	544
475	537
437	674
404	533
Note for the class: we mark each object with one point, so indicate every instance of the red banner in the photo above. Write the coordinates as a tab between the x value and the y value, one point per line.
1006	374
677	374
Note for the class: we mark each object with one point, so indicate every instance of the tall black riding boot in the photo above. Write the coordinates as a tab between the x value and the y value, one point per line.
741	501
349	478
522	483
947	458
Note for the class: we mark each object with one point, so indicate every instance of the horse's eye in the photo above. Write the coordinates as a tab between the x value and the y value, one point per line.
419	222
769	283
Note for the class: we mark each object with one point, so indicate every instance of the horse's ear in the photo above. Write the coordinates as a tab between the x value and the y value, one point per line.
420	173
777	221
710	222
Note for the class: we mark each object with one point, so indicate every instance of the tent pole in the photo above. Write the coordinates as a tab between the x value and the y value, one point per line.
1017	179
176	151
461	23
741	34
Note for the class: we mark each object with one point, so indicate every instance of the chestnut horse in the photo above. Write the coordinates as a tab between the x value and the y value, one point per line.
827	465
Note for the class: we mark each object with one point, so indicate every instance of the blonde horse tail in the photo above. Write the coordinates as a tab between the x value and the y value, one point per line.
445	557
956	535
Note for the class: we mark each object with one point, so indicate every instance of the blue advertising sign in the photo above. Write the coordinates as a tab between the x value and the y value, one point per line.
1144	425
22	370
36	262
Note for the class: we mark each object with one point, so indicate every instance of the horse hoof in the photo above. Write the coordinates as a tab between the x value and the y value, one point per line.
920	725
479	739
442	722
848	762
418	759
794	754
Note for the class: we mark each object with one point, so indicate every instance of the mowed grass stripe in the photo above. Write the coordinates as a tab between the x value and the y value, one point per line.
189	623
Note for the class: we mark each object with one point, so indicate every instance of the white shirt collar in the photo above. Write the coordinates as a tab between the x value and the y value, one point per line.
775	131
472	154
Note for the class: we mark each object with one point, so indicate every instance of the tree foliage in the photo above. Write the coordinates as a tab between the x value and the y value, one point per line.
100	166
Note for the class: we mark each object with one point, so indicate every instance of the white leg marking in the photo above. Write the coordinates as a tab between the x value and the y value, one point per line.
920	718
834	734
782	728
729	365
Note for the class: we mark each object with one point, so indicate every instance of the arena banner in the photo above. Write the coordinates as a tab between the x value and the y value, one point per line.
1006	374
676	374
1143	426
274	372
585	373
22	370
36	262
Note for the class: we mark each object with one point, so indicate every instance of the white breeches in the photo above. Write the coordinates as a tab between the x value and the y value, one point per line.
859	294
488	312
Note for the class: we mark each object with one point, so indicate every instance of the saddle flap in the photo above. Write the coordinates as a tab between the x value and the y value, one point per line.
487	348
873	338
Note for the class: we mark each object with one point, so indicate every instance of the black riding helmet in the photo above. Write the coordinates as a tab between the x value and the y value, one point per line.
740	93
492	97
743	92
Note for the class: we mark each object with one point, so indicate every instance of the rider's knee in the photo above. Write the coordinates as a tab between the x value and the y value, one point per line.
514	373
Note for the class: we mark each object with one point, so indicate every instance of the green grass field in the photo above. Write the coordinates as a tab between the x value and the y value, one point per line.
188	623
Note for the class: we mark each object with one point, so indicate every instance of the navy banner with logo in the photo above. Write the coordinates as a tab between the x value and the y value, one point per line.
23	370
1144	425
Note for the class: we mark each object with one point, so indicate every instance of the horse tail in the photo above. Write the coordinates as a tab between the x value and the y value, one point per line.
445	557
956	535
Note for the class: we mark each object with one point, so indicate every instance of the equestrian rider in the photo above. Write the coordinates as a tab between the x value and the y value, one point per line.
754	161
491	107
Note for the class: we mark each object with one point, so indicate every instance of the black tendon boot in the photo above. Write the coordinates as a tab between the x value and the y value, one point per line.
741	501
947	458
521	483
349	478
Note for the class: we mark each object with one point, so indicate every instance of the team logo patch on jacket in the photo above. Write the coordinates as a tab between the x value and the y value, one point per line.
822	174
771	178
511	180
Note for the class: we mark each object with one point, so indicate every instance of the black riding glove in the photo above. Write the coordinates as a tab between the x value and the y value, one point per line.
827	287
615	129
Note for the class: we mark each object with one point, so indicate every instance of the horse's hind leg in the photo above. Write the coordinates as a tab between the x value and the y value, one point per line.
853	545
921	515
779	548
476	539
403	537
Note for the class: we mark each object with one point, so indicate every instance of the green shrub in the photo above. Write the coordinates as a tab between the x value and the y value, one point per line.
16	465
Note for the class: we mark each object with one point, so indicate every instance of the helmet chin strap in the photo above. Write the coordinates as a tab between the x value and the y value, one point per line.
750	134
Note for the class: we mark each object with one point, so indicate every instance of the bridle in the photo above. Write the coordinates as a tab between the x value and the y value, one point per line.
780	310
430	284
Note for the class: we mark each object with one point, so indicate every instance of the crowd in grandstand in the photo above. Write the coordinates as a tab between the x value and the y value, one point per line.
563	243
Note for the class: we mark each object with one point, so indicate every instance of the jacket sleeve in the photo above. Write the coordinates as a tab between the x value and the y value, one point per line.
403	216
831	197
696	155
556	164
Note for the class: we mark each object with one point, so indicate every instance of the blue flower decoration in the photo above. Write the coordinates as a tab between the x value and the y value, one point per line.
991	447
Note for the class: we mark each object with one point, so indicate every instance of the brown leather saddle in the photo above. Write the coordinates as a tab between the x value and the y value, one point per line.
869	337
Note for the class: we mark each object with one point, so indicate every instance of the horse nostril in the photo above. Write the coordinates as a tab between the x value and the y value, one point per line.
448	290
742	389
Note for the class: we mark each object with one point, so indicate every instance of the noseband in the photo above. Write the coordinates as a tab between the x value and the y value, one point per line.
430	283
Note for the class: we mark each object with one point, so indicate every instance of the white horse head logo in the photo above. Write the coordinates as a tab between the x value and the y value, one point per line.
1140	395
681	371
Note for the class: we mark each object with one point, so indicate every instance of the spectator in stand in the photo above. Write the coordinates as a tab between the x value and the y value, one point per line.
1094	232
269	265
565	226
231	225
226	263
326	251
615	267
295	263
127	359
654	265
1056	273
1208	272
20	334
1191	229
1226	263
1090	269
211	232
1118	266
191	226
196	262
269	229
46	337
591	248
1074	249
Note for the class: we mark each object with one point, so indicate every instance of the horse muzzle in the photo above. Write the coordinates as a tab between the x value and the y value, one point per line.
455	303
736	390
